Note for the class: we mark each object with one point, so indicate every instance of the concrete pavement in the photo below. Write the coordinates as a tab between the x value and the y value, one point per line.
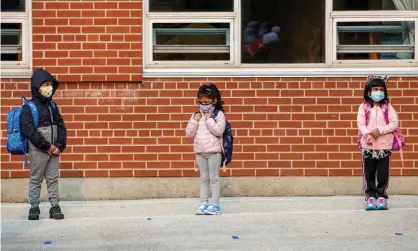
288	223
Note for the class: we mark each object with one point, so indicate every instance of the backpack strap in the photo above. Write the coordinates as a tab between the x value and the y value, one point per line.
34	112
53	105
395	133
33	109
214	115
367	109
385	108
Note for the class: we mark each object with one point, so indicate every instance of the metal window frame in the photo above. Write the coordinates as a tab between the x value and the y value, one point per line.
148	55
188	17
20	68
330	67
373	17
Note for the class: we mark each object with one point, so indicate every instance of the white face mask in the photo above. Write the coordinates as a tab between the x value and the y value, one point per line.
46	91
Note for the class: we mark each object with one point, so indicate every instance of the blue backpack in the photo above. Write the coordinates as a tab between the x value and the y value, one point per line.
16	144
228	141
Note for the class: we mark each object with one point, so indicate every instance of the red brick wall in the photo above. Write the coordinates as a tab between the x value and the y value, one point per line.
117	127
283	126
88	40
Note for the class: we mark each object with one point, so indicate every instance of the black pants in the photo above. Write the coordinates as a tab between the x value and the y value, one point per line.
371	167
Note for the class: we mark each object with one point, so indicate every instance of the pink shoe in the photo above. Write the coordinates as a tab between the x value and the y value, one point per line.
382	204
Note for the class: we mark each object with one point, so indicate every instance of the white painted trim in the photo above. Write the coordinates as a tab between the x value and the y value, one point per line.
237	34
383	63
331	66
374	14
283	72
328	32
148	44
16	73
191	15
20	69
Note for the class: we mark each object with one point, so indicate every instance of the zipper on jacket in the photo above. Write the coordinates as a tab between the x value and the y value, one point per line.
52	121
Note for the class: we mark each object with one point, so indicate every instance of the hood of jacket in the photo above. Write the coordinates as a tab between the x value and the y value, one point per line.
39	77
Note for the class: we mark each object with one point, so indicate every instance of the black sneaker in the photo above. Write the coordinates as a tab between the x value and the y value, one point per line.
34	213
55	213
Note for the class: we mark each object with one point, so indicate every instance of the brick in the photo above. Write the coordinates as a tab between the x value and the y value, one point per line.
145	173
291	172
85	165
169	173
20	174
267	172
96	173
71	174
121	173
316	172
340	172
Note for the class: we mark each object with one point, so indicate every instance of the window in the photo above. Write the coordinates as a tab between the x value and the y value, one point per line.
279	35
190	32
378	31
15	37
283	31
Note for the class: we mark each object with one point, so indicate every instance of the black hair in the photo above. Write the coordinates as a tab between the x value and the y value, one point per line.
375	82
211	92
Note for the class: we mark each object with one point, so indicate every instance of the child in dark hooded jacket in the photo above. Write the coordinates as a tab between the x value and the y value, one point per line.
46	143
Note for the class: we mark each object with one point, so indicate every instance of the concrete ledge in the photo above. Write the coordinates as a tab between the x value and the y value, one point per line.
79	189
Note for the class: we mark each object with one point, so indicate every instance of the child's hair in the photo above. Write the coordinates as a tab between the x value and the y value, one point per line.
376	81
211	92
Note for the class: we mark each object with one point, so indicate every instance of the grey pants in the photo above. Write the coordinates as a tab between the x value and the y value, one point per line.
208	165
43	165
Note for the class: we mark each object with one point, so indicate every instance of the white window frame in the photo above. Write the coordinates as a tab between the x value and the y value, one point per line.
188	17
21	69
331	66
149	55
359	17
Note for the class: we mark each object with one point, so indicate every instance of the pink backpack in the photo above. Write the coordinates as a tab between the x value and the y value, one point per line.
399	139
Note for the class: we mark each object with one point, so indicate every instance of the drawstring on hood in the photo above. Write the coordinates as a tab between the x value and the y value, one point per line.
39	77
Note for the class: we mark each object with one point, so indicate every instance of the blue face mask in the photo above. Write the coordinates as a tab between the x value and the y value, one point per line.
377	96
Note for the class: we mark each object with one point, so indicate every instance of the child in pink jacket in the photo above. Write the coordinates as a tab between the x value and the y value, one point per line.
376	140
207	133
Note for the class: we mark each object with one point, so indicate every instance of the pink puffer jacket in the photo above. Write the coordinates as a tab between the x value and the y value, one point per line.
207	133
377	120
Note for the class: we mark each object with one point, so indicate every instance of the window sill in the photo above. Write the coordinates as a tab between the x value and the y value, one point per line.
282	72
8	73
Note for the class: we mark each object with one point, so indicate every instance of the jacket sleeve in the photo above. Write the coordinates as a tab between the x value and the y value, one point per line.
29	131
191	128
393	122
361	120
61	142
216	127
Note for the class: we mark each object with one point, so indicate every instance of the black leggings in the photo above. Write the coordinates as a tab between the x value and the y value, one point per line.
371	167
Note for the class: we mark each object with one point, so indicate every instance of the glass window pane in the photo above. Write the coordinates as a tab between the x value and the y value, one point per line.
11	44
283	31
191	41
12	5
362	5
191	5
375	40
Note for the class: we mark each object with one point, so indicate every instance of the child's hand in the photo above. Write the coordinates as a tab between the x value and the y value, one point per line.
198	116
208	114
52	149
375	133
57	152
369	139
